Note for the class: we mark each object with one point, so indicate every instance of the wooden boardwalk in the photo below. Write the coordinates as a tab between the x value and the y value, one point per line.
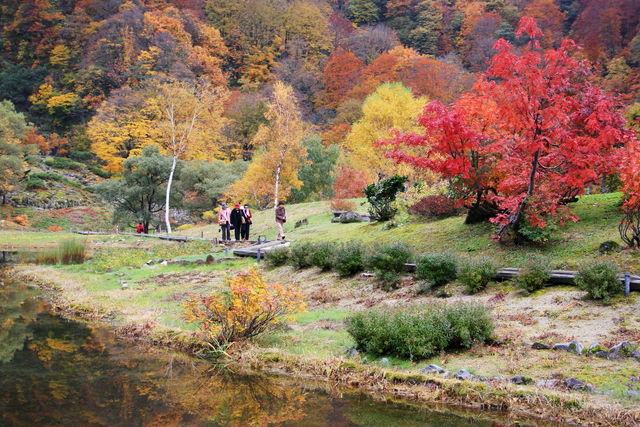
252	251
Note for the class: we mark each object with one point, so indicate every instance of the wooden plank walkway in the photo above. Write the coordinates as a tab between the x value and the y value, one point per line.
149	236
252	251
557	277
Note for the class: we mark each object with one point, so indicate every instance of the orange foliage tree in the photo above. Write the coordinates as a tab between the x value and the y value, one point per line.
245	307
340	75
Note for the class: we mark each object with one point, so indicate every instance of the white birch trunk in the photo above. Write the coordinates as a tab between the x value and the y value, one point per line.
275	203
166	205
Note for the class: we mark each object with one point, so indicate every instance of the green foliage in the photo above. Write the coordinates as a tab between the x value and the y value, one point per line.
69	251
476	274
97	170
140	194
537	234
316	174
349	259
63	163
534	275
388	261
363	11
418	331
50	176
301	255
381	196
277	257
437	269
322	255
425	36
600	279
34	183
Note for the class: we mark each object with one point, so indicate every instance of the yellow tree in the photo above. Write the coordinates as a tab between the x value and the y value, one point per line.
190	119
273	173
391	107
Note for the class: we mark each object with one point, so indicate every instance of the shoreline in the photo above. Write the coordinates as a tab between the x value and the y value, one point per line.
505	400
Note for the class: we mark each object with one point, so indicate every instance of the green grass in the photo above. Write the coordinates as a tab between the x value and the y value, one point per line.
574	244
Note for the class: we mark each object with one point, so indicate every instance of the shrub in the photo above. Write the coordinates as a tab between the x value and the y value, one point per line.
277	257
322	255
97	170
22	220
342	205
419	332
349	259
381	196
476	274
388	261
63	163
534	275
437	269
245	307
69	251
600	280
185	227
301	255
533	234
438	206
33	183
54	228
209	216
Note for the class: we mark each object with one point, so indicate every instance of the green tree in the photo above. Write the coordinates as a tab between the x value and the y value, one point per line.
13	127
140	194
426	35
363	11
317	173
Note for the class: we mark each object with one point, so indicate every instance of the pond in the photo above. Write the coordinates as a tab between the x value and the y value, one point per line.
55	371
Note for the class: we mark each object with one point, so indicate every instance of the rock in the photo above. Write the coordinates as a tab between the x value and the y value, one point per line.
635	355
621	350
574	384
633	393
603	354
384	361
350	217
463	374
608	247
548	383
124	285
431	369
164	263
353	353
200	262
302	222
210	259
576	347
540	346
520	379
594	348
446	374
561	346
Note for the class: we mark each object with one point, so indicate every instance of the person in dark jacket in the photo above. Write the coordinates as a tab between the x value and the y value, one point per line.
237	219
281	218
246	227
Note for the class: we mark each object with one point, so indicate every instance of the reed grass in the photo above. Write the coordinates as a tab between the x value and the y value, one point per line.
69	251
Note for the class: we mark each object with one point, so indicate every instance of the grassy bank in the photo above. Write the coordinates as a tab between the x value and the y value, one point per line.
143	299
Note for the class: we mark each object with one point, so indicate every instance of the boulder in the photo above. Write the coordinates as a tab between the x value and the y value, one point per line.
548	383
210	259
540	346
561	346
635	355
349	217
576	347
608	247
520	379
574	384
602	354
621	350
463	374
432	369
353	353
594	348
384	362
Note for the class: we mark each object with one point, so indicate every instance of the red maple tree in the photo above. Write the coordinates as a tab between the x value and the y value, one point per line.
535	132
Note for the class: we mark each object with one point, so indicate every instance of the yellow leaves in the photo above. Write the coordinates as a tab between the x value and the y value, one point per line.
60	56
60	345
246	306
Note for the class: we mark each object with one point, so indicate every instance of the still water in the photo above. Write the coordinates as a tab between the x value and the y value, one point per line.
57	372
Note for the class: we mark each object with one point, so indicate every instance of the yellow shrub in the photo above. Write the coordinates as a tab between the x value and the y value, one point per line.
245	307
184	227
210	217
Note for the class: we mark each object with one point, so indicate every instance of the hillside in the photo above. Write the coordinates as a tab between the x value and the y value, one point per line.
575	243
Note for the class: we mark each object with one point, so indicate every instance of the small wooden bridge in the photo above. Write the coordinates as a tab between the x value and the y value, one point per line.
262	247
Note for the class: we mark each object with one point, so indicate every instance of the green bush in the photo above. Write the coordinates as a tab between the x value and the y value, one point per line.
349	259
102	173
63	163
534	275
50	176
381	196
476	274
301	255
277	257
322	255
33	183
418	331
437	269
600	280
82	156
388	262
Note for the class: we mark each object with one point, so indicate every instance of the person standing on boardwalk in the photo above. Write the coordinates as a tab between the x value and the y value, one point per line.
224	220
237	220
246	227
140	228
281	218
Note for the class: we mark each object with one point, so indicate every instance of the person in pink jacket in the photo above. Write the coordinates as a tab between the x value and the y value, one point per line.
224	220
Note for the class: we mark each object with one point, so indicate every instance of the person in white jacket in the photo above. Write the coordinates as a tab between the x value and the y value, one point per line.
224	220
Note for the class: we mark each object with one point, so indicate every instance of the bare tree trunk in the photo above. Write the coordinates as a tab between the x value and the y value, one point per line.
166	205
277	188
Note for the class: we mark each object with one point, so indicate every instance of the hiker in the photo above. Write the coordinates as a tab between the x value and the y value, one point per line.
246	227
224	220
140	228
237	220
281	218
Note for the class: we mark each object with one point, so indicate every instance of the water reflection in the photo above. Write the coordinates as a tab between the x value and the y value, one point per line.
59	372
